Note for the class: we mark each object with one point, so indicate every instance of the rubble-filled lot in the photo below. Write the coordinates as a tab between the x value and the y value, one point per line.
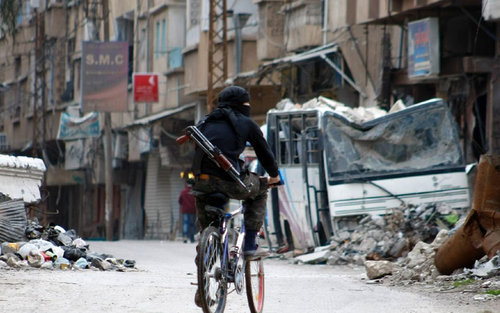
399	249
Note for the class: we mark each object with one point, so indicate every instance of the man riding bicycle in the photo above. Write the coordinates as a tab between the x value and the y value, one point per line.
229	128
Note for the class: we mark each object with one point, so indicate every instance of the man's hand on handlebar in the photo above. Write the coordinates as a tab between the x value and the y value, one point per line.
273	181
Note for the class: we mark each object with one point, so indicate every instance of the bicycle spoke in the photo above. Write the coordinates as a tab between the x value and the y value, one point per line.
210	279
254	271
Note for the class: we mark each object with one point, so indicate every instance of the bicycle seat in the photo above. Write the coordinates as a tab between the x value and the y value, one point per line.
216	199
215	203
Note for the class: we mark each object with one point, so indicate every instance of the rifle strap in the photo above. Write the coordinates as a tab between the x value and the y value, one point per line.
222	112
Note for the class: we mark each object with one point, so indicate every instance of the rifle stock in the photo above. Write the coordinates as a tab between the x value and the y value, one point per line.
182	139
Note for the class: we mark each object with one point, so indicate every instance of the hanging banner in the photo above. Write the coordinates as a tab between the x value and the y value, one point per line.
104	76
71	128
423	48
145	87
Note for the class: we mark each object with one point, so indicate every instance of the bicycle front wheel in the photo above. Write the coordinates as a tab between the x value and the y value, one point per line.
212	285
254	278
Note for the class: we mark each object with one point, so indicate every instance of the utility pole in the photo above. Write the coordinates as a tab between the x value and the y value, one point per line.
217	50
108	166
35	84
39	80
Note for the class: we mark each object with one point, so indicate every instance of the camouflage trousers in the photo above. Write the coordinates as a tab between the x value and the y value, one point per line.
254	201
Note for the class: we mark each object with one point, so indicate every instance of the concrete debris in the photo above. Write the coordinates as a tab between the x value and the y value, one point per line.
377	269
388	237
313	258
487	269
399	249
53	247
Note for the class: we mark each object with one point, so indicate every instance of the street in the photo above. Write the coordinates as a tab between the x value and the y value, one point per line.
163	282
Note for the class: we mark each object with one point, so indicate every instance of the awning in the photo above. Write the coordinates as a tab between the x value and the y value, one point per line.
162	114
276	64
316	52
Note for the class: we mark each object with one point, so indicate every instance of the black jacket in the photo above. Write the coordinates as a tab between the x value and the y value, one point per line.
221	133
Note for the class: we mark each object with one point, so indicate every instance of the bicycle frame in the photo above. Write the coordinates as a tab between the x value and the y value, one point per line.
222	262
228	255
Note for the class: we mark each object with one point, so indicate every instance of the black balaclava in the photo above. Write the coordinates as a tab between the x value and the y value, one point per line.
234	97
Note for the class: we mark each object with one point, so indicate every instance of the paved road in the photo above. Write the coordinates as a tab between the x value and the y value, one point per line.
163	283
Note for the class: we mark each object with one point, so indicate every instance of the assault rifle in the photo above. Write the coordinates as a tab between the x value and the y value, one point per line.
214	153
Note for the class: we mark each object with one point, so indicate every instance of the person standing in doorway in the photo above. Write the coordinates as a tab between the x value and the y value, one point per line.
188	211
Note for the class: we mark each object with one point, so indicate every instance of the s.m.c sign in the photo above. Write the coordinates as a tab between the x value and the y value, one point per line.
104	76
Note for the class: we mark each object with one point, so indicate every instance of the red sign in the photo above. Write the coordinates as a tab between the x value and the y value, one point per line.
145	87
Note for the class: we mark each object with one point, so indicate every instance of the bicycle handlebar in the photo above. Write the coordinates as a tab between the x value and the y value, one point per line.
280	183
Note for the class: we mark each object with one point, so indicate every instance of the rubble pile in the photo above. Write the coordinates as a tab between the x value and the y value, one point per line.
399	249
53	247
482	281
389	237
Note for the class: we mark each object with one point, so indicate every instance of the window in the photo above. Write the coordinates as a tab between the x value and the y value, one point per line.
157	40
163	38
2	111
125	32
420	138
298	138
175	59
4	146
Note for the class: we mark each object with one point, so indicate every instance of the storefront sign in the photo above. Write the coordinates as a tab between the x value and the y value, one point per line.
145	87
104	76
423	48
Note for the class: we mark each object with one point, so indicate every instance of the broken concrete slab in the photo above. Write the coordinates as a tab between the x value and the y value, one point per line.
314	258
377	269
487	269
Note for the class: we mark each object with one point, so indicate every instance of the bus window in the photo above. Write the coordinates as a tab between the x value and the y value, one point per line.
284	142
312	145
291	130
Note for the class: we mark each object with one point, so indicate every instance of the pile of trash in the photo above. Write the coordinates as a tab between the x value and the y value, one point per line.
53	247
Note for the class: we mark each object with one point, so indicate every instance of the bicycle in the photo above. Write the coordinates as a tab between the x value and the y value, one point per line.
221	261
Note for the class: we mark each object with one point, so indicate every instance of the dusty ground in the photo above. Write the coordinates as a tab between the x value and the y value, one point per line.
163	282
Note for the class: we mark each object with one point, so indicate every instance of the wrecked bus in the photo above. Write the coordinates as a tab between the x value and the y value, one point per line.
334	167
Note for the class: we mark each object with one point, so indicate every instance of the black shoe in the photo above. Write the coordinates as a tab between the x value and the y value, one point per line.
197	298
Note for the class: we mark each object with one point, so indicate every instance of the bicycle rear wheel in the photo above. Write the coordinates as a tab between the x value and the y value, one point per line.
212	286
254	278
